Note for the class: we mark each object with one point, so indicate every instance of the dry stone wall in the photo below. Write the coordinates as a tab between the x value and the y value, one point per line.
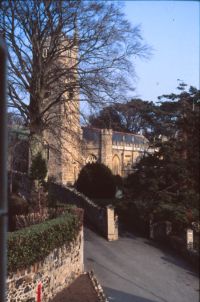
58	270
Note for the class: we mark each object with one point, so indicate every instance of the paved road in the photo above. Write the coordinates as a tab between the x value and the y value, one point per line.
133	269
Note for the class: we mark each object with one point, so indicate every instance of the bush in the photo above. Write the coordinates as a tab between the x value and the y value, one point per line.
33	244
133	217
23	221
118	181
96	181
16	206
38	168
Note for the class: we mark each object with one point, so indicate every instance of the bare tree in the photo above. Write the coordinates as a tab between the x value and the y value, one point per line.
94	37
17	157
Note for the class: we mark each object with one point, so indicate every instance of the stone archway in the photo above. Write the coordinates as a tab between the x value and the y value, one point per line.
116	167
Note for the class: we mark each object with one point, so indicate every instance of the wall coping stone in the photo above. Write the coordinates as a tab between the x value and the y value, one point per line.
97	287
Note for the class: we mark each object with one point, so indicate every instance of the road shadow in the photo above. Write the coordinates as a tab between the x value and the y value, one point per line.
169	255
114	295
127	280
124	232
173	257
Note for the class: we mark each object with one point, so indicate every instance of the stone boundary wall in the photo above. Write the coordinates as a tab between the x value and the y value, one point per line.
103	220
93	214
57	271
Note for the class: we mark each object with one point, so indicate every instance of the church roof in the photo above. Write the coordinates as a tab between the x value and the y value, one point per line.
94	135
129	138
91	134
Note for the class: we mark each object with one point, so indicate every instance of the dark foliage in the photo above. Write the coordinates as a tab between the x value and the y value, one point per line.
134	116
132	217
16	206
96	181
38	168
118	181
166	184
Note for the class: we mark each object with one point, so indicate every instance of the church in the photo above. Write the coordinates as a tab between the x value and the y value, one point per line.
67	145
72	146
118	150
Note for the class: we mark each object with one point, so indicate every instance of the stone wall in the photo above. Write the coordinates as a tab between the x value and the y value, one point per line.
103	220
58	270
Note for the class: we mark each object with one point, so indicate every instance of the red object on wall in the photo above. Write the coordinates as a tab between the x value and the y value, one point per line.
39	292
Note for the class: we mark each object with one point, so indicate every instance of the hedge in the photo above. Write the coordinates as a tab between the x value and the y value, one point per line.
32	244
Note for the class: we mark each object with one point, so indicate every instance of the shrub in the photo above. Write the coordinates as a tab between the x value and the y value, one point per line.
38	168
96	181
23	221
118	181
33	244
16	206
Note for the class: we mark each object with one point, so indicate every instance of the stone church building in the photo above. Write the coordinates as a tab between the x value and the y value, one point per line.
118	150
68	146
73	146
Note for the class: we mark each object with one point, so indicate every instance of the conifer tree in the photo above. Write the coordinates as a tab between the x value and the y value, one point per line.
167	182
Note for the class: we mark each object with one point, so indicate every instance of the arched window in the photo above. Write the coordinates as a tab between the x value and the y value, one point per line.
116	165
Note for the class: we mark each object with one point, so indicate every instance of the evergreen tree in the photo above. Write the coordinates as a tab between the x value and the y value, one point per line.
167	182
38	169
134	116
96	181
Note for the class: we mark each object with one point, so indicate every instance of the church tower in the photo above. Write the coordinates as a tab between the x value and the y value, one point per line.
64	135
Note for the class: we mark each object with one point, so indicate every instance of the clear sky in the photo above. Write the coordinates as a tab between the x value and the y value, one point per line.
172	29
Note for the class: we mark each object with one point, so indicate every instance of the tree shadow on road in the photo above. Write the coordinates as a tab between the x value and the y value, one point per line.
114	295
125	232
172	256
169	255
127	279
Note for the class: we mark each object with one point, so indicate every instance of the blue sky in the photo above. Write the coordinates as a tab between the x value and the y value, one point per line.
172	29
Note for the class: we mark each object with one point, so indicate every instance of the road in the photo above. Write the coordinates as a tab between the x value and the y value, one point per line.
134	269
